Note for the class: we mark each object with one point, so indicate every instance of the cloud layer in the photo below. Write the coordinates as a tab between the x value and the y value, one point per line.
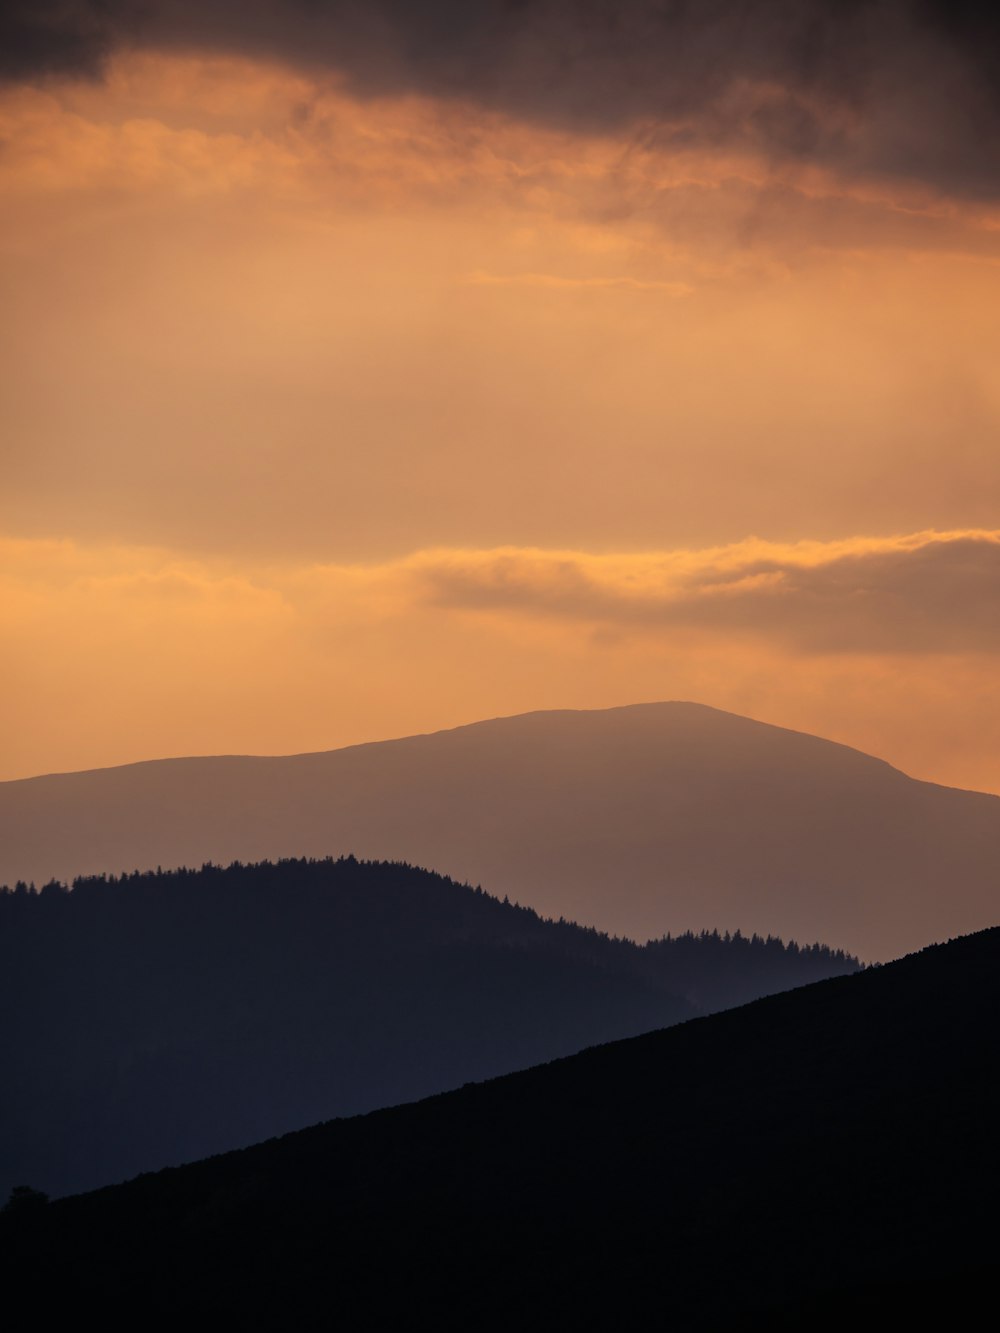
237	305
907	88
117	653
926	593
293	289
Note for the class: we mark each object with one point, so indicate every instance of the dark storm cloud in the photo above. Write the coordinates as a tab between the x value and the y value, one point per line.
54	37
909	88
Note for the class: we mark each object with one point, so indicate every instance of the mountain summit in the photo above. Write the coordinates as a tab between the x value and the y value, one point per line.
638	820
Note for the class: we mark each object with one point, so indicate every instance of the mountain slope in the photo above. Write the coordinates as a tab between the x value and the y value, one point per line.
640	820
158	1019
822	1158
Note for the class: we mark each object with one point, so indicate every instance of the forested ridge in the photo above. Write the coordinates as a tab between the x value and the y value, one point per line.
820	1159
149	1019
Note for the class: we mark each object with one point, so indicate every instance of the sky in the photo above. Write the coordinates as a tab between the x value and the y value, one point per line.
375	368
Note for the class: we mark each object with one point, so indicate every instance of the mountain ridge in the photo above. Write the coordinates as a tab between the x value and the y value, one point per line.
161	1017
485	722
640	820
825	1152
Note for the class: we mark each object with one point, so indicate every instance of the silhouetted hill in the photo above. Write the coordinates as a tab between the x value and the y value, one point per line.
823	1158
156	1019
641	820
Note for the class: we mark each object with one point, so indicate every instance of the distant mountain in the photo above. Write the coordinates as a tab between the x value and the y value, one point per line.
826	1158
157	1019
641	820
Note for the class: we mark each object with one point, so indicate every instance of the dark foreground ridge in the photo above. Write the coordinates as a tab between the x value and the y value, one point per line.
155	1019
822	1158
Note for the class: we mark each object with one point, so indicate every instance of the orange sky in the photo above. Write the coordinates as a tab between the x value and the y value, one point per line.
329	418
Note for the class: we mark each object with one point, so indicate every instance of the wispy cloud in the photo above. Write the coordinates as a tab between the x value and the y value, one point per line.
190	127
922	593
876	87
113	653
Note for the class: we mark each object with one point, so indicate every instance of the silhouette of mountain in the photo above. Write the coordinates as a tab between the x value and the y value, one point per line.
822	1158
640	820
156	1019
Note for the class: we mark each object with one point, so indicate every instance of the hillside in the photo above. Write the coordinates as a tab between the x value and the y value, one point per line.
161	1018
822	1158
640	820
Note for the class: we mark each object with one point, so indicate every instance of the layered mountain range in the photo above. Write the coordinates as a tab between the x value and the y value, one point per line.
637	820
153	1019
820	1159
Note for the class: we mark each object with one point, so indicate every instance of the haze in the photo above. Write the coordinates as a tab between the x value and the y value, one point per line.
640	821
366	378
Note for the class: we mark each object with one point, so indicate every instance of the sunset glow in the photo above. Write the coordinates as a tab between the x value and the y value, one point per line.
334	412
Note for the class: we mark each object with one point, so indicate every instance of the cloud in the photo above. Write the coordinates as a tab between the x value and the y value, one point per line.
193	129
926	593
54	37
907	88
923	593
110	654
